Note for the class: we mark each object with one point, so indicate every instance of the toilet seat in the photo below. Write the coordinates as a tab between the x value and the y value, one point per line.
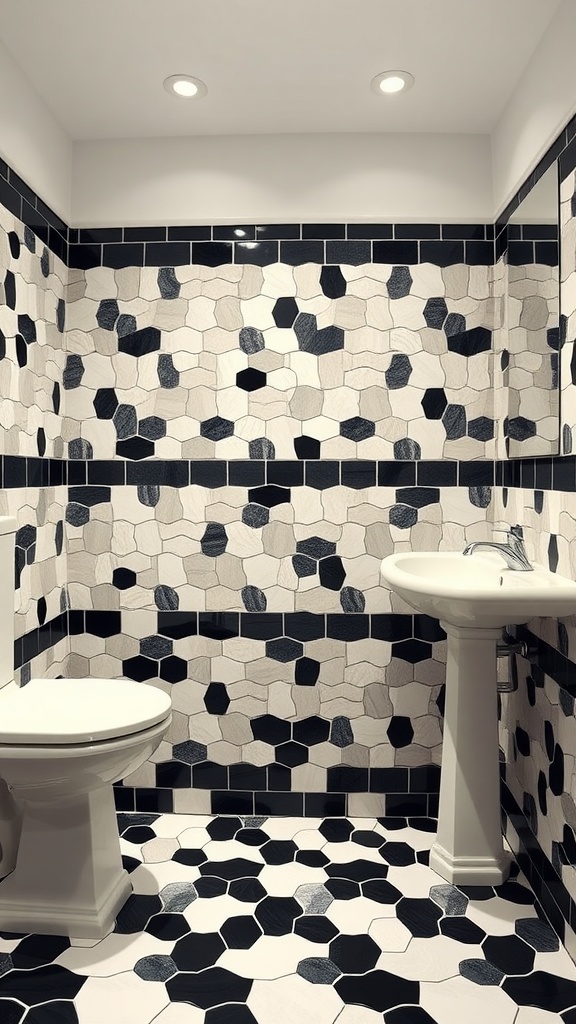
49	712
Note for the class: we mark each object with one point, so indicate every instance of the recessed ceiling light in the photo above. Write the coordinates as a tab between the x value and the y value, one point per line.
185	86
389	82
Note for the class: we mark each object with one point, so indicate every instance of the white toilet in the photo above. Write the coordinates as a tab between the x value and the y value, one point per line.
63	743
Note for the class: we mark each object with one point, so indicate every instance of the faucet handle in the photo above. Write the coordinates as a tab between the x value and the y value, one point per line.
516	531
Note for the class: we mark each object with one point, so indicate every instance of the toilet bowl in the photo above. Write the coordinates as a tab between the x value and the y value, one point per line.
63	743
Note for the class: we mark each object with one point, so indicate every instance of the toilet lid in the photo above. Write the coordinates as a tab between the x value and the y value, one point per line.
54	711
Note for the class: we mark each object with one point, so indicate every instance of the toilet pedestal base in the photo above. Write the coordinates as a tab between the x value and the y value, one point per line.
69	878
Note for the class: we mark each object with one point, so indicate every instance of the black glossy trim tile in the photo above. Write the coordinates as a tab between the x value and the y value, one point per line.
417	231
111	471
251	473
98	236
567	161
84	257
219	625
261	625
231	803
145	234
398	253
351	251
289	473
479	254
14	471
193	233
325	805
212	254
323	231
389	780
396	474
469	232
35	222
285	804
11	199
209	473
476	474
123	254
442	254
369	231
124	798
260	254
167	254
296	253
543	478
160	801
564	473
358	473
77	473
520	253
403	805
173	473
323	474
278	231
233	232
436	474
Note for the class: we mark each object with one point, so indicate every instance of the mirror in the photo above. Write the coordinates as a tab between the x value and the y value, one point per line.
531	358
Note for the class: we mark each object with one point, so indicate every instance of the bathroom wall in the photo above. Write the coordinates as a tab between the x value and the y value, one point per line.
247	443
538	724
32	359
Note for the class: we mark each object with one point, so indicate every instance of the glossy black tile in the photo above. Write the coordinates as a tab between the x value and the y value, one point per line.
247	474
395	252
209	473
124	254
284	804
422	231
83	257
231	803
353	252
323	231
437	474
442	254
106	471
278	231
261	253
194	233
296	253
369	231
212	254
396	474
145	234
167	254
97	236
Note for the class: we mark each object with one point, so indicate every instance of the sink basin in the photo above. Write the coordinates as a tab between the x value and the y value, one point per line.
476	590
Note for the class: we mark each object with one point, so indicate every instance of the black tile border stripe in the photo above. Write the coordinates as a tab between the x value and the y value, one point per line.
348	627
556	473
552	895
399	805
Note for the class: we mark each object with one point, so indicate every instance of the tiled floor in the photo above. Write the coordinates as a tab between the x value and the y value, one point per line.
294	921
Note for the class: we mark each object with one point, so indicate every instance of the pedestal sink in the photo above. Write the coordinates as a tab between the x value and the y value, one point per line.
474	596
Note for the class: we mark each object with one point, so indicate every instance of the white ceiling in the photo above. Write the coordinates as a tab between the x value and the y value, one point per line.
272	66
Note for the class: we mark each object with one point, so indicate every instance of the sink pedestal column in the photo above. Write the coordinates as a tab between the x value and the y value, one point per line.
469	848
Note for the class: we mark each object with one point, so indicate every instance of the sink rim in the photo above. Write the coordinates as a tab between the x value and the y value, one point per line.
482	602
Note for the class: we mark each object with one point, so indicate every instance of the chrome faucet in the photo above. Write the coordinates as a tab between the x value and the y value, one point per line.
513	551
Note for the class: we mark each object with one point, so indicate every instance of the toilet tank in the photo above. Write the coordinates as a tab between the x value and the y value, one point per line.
7	532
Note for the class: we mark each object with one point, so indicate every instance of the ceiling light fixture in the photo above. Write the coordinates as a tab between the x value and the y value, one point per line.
185	87
389	82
